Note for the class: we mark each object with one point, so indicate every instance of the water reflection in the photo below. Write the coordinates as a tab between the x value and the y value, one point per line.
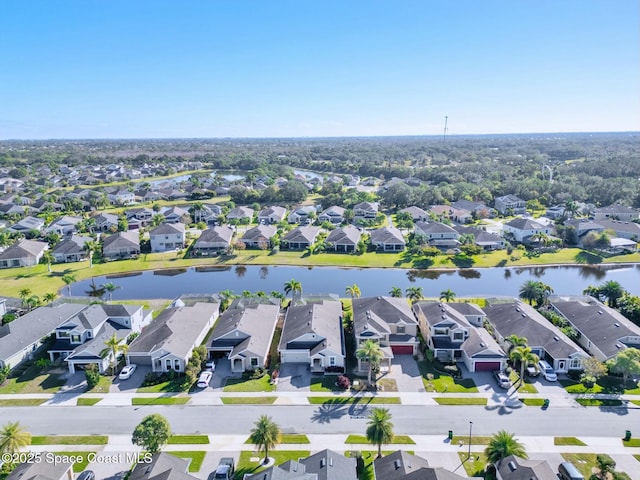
469	273
240	270
170	272
507	274
124	275
412	275
212	269
264	272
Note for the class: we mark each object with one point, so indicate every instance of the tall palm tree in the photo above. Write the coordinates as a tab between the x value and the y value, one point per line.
49	297
266	435
13	438
516	341
68	279
110	288
24	294
379	428
32	302
48	258
226	296
113	346
447	295
395	292
525	356
293	287
530	291
90	247
503	444
196	211
612	291
353	291
414	294
370	352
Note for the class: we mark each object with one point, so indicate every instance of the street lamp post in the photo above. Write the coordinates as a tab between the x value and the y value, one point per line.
470	427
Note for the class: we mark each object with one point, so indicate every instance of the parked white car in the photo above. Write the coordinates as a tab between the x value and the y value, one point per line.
127	371
205	378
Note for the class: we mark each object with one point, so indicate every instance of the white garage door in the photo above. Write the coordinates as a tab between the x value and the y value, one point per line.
295	356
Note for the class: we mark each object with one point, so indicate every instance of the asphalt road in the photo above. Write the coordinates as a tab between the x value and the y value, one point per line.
319	419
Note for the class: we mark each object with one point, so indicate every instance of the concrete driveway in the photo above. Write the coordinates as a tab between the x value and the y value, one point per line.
294	377
221	374
404	370
132	383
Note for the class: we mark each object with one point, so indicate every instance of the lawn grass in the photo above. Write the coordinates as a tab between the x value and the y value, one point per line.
605	384
442	382
159	401
568	441
533	402
262	384
634	442
476	466
522	387
287	439
246	466
635	402
22	402
77	466
197	457
460	401
103	385
596	402
188	440
397	440
176	385
637	457
69	440
584	462
248	400
475	440
87	402
326	383
33	380
368	456
350	400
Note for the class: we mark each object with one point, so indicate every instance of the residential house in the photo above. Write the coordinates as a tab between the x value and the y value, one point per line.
513	317
213	241
23	253
486	240
300	238
244	333
27	224
272	215
65	225
139	217
616	212
122	197
365	210
3	306
416	213
522	229
449	212
106	222
72	249
583	226
388	321
455	333
174	214
388	239
324	465
437	234
301	214
38	468
555	212
259	237
401	465
477	209
240	215
334	215
312	333
12	210
516	468
622	228
81	340
344	239
602	331
163	466
25	336
121	245
510	205
168	236
209	214
169	340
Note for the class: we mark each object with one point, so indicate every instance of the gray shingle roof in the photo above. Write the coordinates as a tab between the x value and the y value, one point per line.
387	235
524	224
401	465
129	238
261	231
304	234
219	234
24	248
378	312
515	468
168	229
324	319
163	466
40	470
348	235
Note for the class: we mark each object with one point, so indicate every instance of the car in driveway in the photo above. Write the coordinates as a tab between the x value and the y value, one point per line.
127	371
547	371
532	371
502	379
204	379
210	365
87	475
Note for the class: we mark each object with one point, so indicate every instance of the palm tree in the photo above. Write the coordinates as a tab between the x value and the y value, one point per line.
110	288
24	294
545	291
196	211
612	291
90	247
370	352
226	297
13	438
48	258
414	294
530	291
68	279
114	346
503	444
379	428
32	302
49	297
516	341
395	292
525	356
353	291
447	295
292	287
266	435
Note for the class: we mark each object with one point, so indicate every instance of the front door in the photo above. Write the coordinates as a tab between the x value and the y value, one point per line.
562	366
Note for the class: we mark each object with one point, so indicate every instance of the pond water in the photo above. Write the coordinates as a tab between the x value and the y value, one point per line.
371	281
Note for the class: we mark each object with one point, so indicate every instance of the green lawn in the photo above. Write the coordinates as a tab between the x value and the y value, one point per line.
583	462
33	380
350	400
196	457
22	402
288	439
159	401
246	466
533	402
595	402
606	384
248	400
634	442
176	385
442	382
637	457
87	402
326	383
522	387
188	440
78	466
475	440
262	384
568	441
103	385
460	401
397	440
70	440
476	466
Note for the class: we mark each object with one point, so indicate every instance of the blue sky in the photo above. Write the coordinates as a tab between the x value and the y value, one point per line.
140	69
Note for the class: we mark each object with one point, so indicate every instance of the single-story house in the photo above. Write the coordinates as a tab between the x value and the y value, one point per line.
334	215
300	238
259	237
24	253
367	210
167	236
312	333
401	465
616	212
388	239
72	249
417	213
458	215
41	469
163	466
139	217
121	245
174	214
516	468
241	214
65	225
324	465
213	240
169	340
106	222
301	213
344	239
486	240
27	224
271	215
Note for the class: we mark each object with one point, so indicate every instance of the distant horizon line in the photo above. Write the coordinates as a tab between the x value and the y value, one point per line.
307	137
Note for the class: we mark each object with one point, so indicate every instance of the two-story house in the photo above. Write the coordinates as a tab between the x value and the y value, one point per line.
510	205
523	229
122	197
168	236
437	234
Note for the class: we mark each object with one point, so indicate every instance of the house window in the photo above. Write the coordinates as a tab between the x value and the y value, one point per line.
440	331
176	364
400	329
63	334
254	362
575	363
458	336
332	361
168	364
75	338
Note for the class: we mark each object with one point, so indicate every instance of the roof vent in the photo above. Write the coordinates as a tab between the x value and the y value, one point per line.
617	324
523	315
397	464
512	466
482	345
618	346
378	298
556	338
599	312
517	309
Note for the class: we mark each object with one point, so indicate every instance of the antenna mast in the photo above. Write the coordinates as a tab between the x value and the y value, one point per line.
444	137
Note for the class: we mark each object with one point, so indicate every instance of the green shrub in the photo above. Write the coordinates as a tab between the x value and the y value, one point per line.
92	375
